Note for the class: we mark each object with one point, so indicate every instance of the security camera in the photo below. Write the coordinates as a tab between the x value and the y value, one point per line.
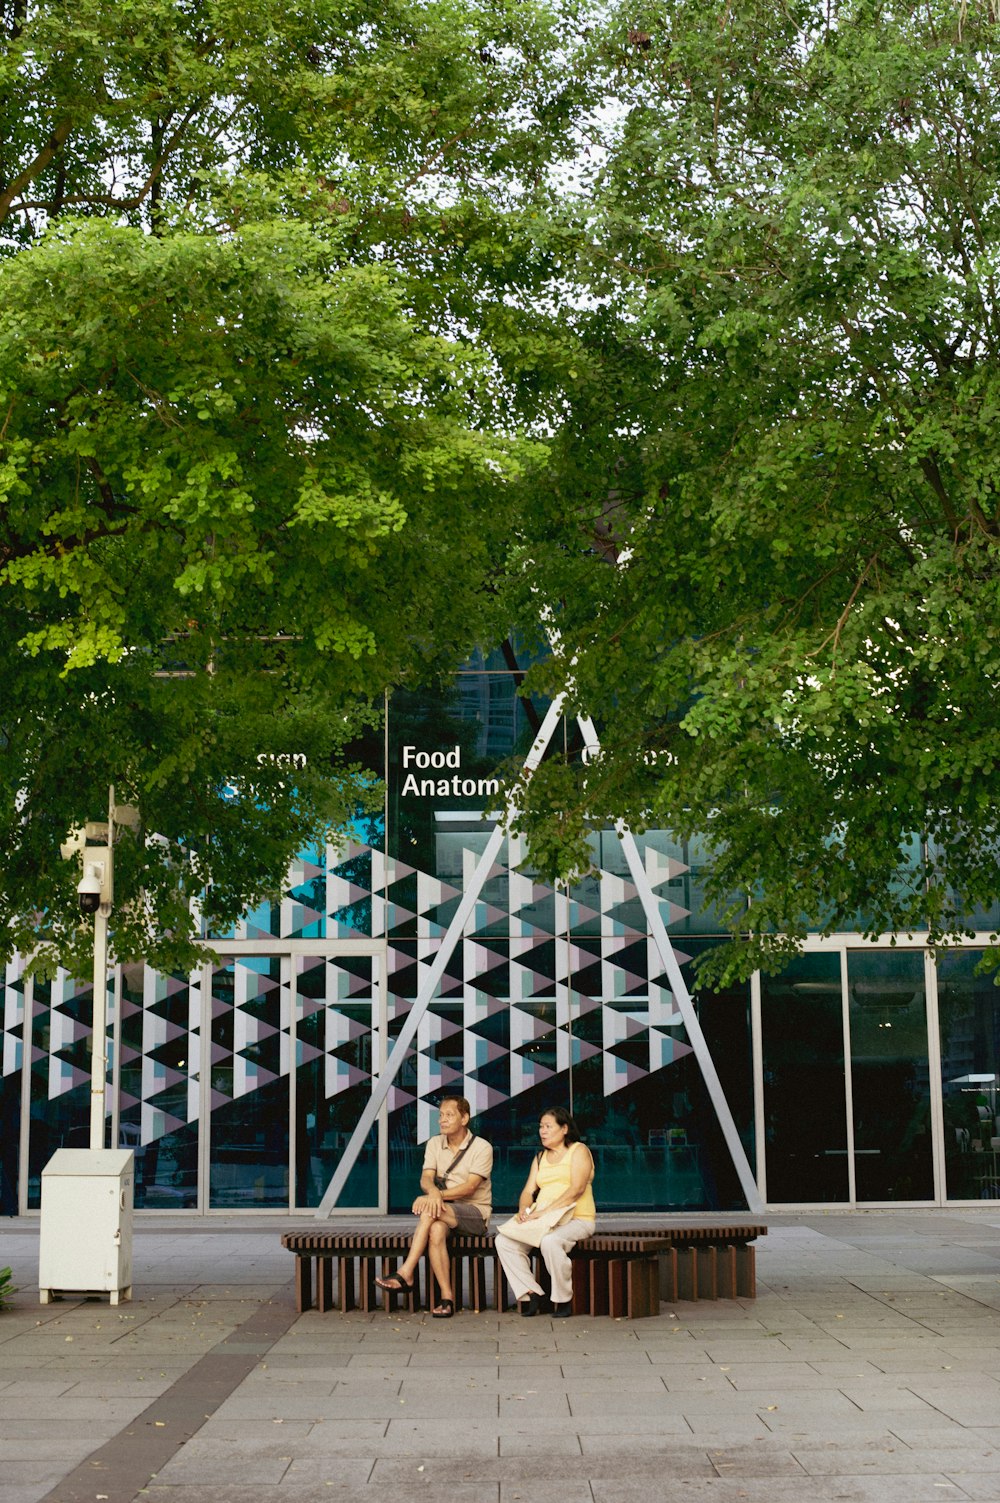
89	889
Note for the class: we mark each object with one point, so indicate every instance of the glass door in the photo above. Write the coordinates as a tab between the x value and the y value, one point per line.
339	1035
805	1086
296	1042
890	1075
251	1009
969	1018
846	1079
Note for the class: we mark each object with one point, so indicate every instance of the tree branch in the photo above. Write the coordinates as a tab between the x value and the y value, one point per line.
52	147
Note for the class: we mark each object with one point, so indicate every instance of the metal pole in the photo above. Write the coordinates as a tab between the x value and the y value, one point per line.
99	1058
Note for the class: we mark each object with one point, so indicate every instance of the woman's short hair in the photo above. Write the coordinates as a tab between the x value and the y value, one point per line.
563	1118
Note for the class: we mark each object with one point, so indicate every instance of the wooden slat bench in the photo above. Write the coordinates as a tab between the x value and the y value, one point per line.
624	1272
354	1254
705	1261
617	1275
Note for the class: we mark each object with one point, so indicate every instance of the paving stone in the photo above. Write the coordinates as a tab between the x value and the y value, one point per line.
715	1428
848	1461
556	1491
981	1487
750	1461
341	1471
214	1492
959	1435
213	1472
516	1442
917	1489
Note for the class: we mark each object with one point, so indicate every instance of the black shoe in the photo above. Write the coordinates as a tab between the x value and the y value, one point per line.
562	1312
532	1305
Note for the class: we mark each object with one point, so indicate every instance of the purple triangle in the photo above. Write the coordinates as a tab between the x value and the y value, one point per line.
582	1004
478	1013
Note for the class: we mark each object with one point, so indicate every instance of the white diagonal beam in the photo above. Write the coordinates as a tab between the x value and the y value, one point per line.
682	996
432	979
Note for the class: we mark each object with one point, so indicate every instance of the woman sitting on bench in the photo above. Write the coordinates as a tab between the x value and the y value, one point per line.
561	1176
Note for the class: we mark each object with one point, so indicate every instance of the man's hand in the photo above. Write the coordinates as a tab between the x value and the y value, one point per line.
428	1205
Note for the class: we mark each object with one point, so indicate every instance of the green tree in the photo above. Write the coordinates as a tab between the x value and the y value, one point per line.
255	464
770	537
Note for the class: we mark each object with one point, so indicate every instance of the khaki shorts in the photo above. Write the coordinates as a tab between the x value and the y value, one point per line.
469	1217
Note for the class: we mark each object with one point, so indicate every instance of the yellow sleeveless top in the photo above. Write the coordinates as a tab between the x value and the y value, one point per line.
554	1180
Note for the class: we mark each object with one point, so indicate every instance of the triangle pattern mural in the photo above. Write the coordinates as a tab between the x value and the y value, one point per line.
538	982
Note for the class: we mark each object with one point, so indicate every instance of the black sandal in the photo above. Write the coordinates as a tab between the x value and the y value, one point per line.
445	1310
394	1284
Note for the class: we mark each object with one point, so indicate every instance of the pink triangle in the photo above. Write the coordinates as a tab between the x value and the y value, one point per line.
167	1078
634	983
493	1052
482	1097
349	851
612	943
677	1049
527	1025
305	915
171	1031
259	1031
582	1004
484	957
476	1010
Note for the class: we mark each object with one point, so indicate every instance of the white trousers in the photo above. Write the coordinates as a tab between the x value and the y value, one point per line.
515	1259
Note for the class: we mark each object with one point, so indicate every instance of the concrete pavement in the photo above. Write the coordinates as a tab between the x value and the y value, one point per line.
867	1369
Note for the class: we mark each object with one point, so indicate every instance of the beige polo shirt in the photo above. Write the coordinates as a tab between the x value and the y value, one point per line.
479	1160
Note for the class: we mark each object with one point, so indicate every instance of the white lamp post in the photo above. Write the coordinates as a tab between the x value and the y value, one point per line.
96	892
98	872
85	1240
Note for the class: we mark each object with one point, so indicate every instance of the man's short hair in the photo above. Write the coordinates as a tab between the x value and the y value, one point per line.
464	1109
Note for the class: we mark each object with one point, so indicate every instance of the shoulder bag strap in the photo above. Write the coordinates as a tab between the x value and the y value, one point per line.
459	1155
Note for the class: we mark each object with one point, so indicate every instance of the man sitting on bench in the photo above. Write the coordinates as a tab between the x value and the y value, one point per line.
455	1194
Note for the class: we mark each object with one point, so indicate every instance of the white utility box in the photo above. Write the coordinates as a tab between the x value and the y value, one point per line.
86	1225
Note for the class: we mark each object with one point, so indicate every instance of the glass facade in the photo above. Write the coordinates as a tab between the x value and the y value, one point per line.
240	1086
969	1013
